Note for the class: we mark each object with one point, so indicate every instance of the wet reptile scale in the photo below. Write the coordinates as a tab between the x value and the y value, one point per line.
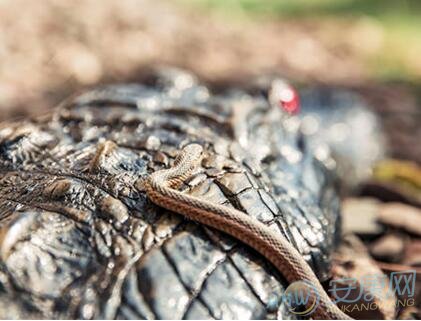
79	239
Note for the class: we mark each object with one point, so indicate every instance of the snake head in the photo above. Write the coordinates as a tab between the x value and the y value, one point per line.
194	149
190	157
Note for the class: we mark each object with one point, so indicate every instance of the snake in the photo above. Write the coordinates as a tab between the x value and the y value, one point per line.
162	188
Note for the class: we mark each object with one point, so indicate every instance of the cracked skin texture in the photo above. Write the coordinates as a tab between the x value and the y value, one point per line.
79	239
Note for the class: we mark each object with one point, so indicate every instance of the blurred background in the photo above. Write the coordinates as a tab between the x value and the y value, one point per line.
50	49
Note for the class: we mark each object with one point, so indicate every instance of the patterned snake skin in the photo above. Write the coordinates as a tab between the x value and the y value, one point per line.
79	240
161	188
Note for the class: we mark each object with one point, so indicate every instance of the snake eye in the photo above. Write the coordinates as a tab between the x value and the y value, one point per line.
289	100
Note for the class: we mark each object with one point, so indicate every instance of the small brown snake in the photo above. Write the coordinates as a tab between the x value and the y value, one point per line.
161	188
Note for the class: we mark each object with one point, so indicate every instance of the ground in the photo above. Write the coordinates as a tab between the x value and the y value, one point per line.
52	49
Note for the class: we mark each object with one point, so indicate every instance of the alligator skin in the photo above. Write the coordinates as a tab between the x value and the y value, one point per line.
78	239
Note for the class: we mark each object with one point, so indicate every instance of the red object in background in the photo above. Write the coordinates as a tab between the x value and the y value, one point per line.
289	100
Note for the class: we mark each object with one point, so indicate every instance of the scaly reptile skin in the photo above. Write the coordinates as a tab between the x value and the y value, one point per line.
161	189
78	240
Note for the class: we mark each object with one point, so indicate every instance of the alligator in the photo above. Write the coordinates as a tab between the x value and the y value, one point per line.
79	239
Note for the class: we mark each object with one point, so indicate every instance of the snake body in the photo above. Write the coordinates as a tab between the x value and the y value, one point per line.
162	189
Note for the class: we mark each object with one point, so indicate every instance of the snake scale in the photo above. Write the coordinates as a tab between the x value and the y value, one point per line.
79	238
161	188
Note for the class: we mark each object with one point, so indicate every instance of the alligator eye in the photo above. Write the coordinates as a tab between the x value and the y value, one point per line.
289	99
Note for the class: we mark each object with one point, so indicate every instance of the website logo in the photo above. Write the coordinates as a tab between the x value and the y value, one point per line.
369	292
301	298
